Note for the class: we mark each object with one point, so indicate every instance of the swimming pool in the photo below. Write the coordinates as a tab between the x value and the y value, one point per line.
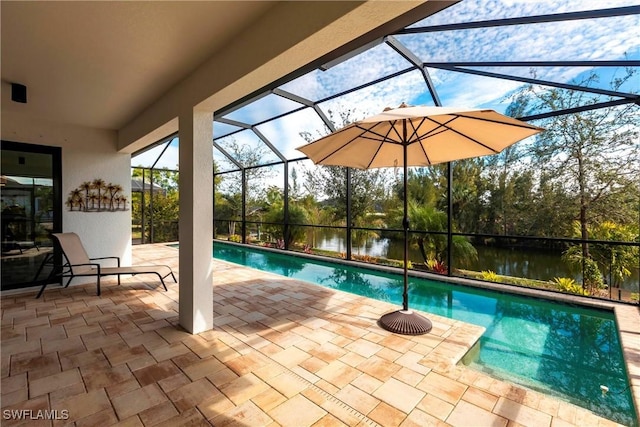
562	350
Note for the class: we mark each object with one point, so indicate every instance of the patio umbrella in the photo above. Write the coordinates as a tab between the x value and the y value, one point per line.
416	136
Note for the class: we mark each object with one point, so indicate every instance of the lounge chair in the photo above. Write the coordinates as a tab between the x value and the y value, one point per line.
79	264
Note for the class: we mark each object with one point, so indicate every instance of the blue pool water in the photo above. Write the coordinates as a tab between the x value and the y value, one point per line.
563	350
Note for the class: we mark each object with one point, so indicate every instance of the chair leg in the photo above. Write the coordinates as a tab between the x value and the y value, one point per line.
41	290
98	283
165	286
68	282
47	259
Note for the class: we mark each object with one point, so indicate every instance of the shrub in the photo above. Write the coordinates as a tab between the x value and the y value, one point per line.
490	276
235	238
566	284
365	258
592	275
436	266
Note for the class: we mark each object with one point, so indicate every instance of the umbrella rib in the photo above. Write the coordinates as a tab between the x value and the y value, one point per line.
483	119
392	124
341	147
335	151
414	133
415	130
380	143
445	125
378	137
381	139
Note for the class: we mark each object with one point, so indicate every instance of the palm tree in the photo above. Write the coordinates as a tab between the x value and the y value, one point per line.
75	199
105	200
123	200
86	186
433	246
428	218
98	184
117	190
93	197
111	188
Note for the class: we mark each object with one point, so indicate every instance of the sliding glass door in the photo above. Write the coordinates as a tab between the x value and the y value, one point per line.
31	210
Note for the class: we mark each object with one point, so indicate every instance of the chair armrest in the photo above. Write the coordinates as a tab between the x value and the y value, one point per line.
93	264
107	257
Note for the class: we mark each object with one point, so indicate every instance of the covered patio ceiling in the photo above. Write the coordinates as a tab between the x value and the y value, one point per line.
131	67
103	55
469	54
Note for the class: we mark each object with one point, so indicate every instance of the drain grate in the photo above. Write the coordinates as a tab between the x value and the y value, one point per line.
351	410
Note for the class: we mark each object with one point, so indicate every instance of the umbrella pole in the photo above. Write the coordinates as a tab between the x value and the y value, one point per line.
405	321
405	225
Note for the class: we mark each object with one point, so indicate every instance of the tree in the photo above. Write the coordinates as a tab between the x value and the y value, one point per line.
162	211
248	157
368	187
551	216
611	261
592	154
165	178
161	208
228	191
274	213
367	190
428	226
465	188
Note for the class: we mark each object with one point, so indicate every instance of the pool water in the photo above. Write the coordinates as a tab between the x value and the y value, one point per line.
562	350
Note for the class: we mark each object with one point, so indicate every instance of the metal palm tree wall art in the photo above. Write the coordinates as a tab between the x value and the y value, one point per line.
97	196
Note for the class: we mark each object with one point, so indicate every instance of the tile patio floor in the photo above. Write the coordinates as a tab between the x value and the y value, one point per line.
282	353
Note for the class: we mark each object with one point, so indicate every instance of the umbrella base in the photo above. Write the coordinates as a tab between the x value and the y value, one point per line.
405	323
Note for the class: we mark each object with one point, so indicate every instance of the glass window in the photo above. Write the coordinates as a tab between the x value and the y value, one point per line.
30	179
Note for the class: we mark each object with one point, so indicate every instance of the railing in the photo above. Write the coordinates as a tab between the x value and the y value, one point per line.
536	262
154	232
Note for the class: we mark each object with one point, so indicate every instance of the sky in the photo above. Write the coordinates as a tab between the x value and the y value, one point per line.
589	39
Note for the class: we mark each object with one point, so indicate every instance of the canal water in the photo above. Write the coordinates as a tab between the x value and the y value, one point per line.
532	264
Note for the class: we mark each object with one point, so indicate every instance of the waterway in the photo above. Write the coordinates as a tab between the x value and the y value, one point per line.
529	263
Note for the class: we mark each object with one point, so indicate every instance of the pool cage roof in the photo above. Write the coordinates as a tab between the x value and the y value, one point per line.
475	54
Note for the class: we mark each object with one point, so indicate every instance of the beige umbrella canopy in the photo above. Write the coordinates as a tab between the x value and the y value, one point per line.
416	136
430	135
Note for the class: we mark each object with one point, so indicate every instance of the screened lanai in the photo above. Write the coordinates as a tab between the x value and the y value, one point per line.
559	211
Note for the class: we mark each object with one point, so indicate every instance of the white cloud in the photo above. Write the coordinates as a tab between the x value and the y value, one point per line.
169	159
592	39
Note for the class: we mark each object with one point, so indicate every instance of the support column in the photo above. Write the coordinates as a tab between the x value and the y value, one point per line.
196	213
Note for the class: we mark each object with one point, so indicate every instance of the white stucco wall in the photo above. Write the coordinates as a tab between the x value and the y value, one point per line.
87	154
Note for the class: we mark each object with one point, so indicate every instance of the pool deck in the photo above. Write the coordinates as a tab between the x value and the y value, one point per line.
282	352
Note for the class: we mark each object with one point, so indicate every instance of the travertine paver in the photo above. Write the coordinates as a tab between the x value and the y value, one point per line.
138	400
521	414
282	353
54	382
399	395
464	412
84	404
192	394
435	406
297	411
243	388
357	399
445	388
338	373
480	398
